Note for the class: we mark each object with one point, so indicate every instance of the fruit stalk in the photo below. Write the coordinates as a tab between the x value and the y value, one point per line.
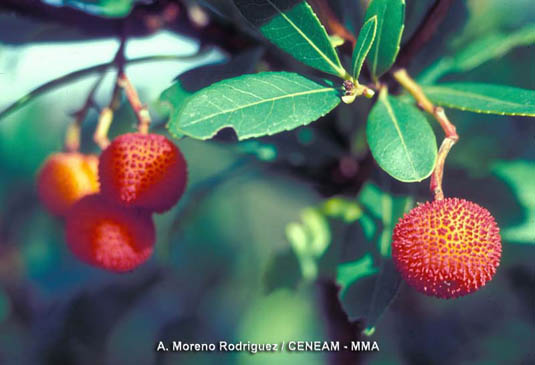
103	126
438	112
106	118
141	111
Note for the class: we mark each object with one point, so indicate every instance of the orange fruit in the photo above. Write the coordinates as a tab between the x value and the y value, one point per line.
447	248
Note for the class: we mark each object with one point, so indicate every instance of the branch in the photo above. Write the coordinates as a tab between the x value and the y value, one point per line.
93	25
143	20
434	17
103	67
438	112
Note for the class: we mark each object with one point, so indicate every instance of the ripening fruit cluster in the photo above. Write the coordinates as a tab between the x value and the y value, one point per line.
447	248
108	202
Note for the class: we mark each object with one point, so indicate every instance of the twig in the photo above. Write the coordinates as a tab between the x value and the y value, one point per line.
103	67
103	126
141	111
100	136
72	136
433	18
450	131
120	59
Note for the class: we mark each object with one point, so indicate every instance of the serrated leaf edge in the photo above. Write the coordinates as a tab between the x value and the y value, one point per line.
427	90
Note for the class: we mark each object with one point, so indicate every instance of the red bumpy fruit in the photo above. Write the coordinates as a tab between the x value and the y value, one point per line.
109	236
447	248
143	170
64	178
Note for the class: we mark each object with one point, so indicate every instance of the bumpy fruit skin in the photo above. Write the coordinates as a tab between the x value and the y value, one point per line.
109	236
64	178
447	248
143	170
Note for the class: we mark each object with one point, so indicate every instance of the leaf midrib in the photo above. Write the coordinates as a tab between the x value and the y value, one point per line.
337	68
270	100
398	130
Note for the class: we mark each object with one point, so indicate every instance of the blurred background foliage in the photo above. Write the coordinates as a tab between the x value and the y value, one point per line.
265	225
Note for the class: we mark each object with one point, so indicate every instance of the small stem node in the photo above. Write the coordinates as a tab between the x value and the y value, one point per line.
352	90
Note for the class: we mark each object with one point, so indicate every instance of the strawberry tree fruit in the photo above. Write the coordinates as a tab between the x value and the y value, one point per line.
447	248
64	178
109	236
143	170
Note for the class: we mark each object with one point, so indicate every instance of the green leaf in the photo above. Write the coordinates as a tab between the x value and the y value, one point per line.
482	50
293	27
309	240
255	105
105	8
386	287
385	208
346	209
400	139
390	17
483	98
195	79
519	175
172	99
493	46
364	44
349	272
368	297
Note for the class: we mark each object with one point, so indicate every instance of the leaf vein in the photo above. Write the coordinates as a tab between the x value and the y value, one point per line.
398	130
224	111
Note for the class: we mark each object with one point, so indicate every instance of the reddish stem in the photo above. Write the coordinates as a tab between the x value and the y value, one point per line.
141	111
